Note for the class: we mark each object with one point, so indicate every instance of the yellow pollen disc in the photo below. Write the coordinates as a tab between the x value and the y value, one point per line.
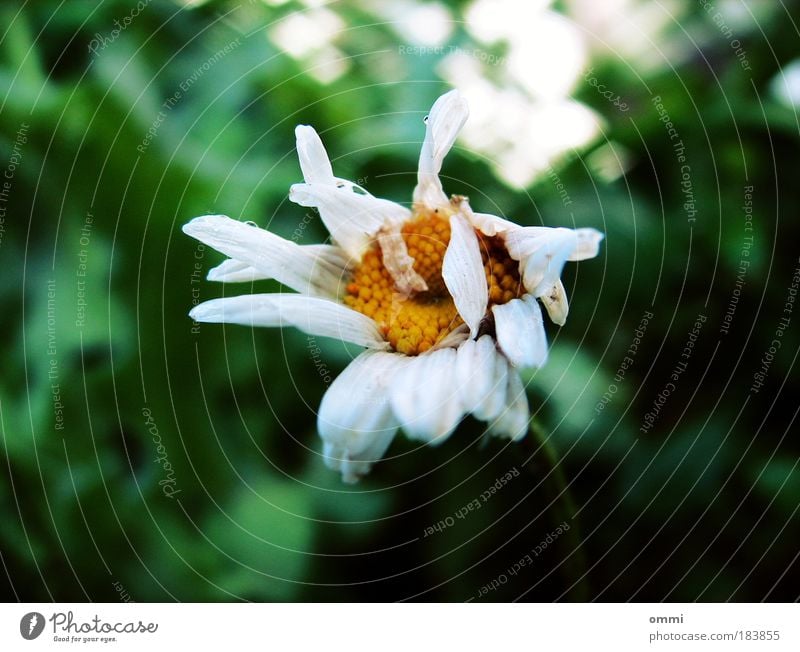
413	324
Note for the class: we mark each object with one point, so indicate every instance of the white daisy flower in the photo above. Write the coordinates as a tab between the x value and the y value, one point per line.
445	300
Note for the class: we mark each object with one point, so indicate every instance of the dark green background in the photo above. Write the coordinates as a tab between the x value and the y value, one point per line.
704	506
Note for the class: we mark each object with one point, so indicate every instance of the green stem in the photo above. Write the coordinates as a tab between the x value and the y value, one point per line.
563	510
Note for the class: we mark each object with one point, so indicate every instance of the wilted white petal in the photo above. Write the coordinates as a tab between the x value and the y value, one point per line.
487	224
588	244
520	332
398	263
447	116
555	301
453	339
355	418
424	397
352	216
306	269
542	252
235	271
311	315
462	271
481	377
314	161
514	418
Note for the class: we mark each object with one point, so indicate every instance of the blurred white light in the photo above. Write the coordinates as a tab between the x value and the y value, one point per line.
633	31
545	50
493	20
610	161
785	86
327	65
428	24
302	33
520	134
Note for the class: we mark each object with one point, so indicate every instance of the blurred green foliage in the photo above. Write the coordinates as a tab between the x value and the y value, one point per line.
703	506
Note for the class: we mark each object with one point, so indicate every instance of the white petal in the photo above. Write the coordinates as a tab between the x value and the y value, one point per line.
355	418
352	216
424	397
398	263
513	420
487	224
235	271
555	301
447	116
520	332
463	274
481	376
311	315
314	161
313	270
588	244
542	252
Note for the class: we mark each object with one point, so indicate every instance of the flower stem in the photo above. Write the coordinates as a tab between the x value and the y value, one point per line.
563	511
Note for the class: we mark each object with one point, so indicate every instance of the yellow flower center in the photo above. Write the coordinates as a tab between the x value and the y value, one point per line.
413	324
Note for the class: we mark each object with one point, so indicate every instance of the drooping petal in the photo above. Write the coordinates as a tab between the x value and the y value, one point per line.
487	224
588	244
462	271
235	271
542	252
352	216
445	120
515	415
520	332
314	161
555	301
355	418
312	269
424	398
398	263
311	315
481	377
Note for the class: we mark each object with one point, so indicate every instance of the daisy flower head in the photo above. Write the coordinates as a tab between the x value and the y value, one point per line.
445	301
